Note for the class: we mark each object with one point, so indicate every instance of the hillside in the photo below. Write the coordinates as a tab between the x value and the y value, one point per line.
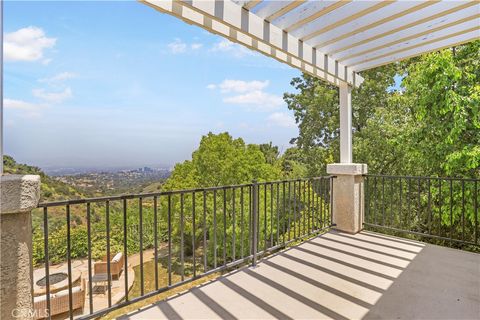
51	189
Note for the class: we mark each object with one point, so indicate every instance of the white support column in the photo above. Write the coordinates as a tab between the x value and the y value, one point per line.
345	123
348	188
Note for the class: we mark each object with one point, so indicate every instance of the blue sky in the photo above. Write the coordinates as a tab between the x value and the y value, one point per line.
115	84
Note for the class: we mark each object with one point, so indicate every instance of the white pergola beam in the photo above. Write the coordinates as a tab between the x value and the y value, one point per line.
346	154
415	42
239	25
404	36
414	22
425	47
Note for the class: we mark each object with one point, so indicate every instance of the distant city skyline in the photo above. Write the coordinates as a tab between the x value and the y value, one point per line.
118	84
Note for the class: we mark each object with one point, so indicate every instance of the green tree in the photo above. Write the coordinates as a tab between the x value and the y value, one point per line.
316	109
443	91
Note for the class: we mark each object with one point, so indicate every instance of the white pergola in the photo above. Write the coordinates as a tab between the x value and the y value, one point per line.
334	40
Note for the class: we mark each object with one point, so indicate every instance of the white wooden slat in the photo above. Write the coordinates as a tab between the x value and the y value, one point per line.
463	38
431	36
394	8
421	29
302	12
332	17
241	26
267	8
249	5
424	15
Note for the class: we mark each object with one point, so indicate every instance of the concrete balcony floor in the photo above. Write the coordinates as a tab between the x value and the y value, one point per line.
340	276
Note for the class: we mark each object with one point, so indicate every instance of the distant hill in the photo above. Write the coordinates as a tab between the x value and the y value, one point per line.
51	188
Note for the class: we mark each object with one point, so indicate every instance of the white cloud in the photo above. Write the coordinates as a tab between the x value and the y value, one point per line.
27	44
242	86
196	46
53	97
262	100
234	49
29	109
249	93
177	46
60	77
281	119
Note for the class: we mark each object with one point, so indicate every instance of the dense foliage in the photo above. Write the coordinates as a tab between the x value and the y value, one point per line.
427	125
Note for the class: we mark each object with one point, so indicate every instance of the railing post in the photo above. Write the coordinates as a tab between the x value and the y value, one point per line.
19	194
348	203
254	221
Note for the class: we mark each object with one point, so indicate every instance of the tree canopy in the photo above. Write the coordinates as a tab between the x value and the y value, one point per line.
428	125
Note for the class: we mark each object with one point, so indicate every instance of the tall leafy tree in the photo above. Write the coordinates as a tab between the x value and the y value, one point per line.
316	109
443	92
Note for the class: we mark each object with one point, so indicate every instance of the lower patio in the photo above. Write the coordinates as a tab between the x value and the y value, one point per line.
341	276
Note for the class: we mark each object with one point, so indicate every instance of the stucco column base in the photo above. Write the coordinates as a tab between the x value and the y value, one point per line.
348	196
19	194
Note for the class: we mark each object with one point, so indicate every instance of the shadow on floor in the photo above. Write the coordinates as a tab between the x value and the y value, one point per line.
340	276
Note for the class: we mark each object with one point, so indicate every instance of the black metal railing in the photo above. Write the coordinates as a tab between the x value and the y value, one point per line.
444	210
190	233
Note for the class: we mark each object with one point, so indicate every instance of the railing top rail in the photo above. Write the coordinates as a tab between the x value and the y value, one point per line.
421	177
166	193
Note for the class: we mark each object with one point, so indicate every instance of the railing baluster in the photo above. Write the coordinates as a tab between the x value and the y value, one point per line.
375	200
125	247
169	221
250	219
140	217
294	210
440	197
383	200
254	222
69	264
391	202
194	232
214	229
463	210
233	225
419	202
475	209
322	202
47	262
224	226
89	258
289	225
271	215
264	219
182	257
278	213
409	199
400	203
310	211
109	273
242	223
429	206
155	240
451	210
284	220
204	231
367	200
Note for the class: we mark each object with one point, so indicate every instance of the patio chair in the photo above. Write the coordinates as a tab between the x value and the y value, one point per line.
116	266
59	302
